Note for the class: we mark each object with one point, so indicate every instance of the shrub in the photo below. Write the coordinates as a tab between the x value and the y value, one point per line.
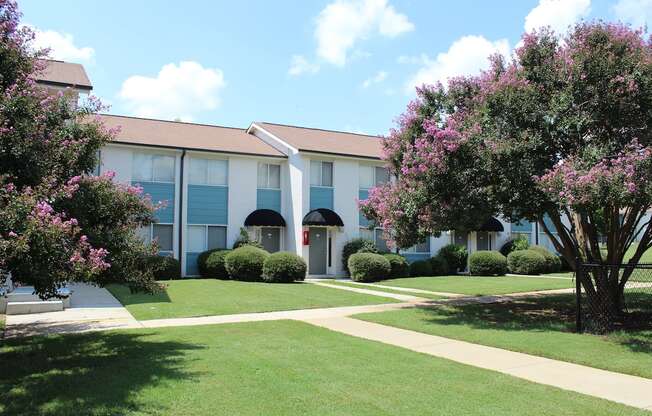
520	243
211	264
456	256
246	263
421	268
399	266
526	262
165	267
553	263
355	246
487	263
368	267
244	240
439	265
283	267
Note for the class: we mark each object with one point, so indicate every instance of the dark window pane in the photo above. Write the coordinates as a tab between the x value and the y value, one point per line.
163	234
216	237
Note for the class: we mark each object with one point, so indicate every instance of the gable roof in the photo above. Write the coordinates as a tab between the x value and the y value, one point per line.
64	74
327	141
190	136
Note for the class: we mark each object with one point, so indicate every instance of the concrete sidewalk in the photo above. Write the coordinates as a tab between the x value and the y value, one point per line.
91	308
630	390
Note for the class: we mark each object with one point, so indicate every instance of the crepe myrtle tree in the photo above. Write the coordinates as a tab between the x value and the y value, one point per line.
58	223
560	130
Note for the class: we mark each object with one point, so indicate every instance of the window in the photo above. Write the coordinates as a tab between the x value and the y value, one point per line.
269	176
153	168
423	247
205	237
371	176
321	173
208	172
161	233
377	236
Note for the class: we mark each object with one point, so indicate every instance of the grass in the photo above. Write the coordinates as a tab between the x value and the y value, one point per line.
385	289
480	285
202	297
540	326
262	368
645	258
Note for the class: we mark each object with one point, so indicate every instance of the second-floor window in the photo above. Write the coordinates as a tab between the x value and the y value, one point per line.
269	176
321	173
371	176
208	172
153	168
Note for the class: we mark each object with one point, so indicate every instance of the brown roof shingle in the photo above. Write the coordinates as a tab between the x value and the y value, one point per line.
327	141
64	74
161	133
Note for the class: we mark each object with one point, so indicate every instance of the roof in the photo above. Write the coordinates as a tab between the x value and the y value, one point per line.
327	141
64	74
175	134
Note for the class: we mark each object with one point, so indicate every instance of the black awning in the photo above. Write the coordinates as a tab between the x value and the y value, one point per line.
492	224
322	216
265	218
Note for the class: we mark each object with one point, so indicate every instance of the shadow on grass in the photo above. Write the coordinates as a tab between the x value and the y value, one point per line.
96	373
552	313
126	297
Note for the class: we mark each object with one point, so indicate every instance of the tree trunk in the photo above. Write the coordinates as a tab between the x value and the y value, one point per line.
604	299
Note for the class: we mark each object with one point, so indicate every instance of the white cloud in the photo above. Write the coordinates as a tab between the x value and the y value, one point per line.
300	65
636	12
558	14
376	79
62	46
178	91
466	56
341	24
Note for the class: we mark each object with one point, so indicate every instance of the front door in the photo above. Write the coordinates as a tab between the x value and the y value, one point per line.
318	251
270	238
483	242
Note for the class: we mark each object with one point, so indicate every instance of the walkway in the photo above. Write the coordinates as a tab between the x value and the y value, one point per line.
621	388
91	308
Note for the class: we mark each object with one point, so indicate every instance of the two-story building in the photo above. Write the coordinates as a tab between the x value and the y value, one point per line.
292	188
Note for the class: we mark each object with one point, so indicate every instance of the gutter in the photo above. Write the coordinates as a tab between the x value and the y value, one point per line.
183	156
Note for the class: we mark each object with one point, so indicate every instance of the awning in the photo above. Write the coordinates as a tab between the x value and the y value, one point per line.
322	216
492	224
265	218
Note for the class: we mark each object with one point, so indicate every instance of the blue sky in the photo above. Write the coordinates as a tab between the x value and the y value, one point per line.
336	64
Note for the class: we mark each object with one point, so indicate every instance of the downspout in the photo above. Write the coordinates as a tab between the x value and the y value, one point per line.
183	156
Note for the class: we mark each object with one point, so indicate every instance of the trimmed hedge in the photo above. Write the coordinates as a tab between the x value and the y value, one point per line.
399	266
526	262
553	262
368	267
456	256
355	246
487	263
283	267
246	263
421	268
211	264
440	266
165	267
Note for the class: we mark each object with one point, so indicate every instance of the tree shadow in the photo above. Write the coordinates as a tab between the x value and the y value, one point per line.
127	297
551	313
94	373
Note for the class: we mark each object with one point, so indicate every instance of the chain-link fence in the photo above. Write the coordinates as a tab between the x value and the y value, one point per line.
613	296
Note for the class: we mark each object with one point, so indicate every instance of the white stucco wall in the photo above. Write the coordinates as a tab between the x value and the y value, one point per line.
117	159
346	191
243	184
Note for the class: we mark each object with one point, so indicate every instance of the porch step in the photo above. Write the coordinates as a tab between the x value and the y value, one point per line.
41	306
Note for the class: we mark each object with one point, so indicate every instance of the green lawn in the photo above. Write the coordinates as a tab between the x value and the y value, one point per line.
202	297
480	285
387	290
263	368
645	258
538	326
